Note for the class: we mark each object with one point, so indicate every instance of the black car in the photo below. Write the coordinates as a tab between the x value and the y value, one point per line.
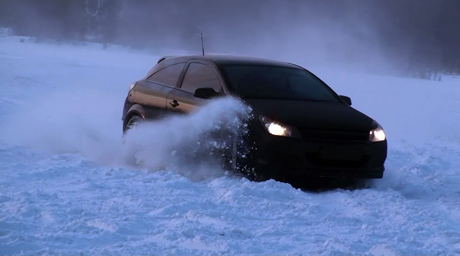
300	126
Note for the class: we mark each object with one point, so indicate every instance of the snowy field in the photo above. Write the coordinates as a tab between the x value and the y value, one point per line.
69	185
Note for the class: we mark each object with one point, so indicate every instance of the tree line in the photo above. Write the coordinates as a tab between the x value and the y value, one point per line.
424	35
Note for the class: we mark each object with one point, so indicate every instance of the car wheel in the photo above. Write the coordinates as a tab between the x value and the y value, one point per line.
238	159
133	121
231	159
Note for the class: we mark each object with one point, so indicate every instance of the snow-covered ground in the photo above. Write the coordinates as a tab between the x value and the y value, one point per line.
68	184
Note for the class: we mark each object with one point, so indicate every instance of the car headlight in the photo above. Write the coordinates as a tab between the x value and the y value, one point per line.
277	129
377	134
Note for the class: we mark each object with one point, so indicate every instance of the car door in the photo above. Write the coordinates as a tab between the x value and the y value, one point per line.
152	92
197	75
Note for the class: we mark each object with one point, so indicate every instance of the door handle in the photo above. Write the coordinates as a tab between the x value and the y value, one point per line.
174	103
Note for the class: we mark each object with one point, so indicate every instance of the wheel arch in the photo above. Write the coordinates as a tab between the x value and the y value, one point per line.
134	110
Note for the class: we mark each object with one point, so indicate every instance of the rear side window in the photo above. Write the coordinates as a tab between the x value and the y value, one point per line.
168	75
200	76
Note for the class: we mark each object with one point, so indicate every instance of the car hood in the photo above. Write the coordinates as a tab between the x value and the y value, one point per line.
312	114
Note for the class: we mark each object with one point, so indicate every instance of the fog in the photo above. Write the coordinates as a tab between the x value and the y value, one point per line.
408	37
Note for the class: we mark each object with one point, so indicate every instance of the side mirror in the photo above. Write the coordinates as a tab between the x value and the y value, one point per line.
205	93
346	99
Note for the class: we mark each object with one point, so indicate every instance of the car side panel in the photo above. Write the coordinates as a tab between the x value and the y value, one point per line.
151	96
187	103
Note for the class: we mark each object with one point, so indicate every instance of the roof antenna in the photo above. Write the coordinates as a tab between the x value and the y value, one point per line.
202	44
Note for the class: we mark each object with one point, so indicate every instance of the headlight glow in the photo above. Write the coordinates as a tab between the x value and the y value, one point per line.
377	134
275	128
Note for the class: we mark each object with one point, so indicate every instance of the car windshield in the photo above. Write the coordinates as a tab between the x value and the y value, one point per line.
273	82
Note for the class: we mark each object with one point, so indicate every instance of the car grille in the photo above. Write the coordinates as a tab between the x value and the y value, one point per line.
316	160
333	136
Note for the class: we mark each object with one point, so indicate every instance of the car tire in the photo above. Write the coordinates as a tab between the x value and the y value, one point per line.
238	159
132	122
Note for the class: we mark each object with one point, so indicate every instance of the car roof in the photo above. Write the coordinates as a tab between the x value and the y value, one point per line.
228	60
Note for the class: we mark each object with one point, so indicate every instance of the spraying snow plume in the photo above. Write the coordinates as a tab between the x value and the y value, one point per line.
73	104
194	140
69	122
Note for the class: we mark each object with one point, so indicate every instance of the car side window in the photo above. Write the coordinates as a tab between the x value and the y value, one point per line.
200	76
168	75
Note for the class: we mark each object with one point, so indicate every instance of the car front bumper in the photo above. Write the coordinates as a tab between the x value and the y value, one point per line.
275	157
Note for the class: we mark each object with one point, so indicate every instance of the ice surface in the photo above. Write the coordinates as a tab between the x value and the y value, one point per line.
68	186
